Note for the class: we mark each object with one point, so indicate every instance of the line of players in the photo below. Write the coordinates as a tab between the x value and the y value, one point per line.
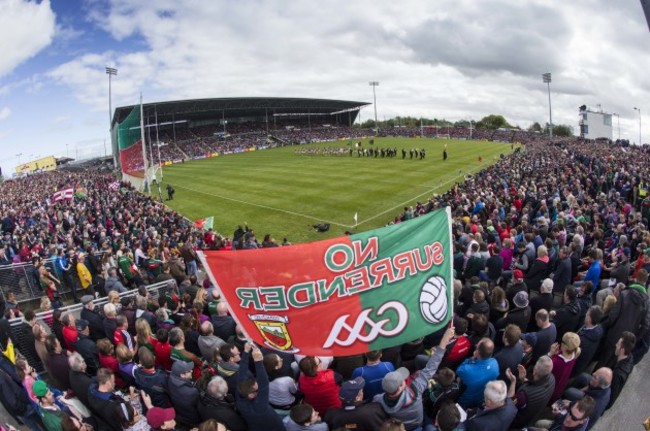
413	153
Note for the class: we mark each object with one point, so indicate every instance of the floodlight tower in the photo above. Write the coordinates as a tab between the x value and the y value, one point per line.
639	109
111	71
374	85
546	78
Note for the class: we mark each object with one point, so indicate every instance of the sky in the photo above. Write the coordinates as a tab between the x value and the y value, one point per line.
451	59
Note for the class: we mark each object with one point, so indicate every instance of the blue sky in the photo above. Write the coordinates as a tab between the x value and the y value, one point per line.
454	59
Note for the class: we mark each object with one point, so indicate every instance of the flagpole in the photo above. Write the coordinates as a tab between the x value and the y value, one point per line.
144	145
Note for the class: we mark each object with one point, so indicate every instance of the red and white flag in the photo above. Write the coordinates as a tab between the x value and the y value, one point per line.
115	186
63	195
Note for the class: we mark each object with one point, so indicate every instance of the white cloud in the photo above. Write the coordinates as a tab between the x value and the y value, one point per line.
27	27
446	59
4	113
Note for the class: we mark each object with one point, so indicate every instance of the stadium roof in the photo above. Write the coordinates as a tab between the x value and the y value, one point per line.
236	107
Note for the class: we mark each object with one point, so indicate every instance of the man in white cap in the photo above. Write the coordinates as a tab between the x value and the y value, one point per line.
402	400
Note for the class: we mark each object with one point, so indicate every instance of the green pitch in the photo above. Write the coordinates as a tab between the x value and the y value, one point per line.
280	192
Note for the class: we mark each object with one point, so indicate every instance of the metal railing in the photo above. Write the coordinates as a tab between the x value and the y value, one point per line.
45	317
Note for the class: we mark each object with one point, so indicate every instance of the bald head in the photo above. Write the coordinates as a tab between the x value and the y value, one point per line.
485	348
602	377
207	328
222	309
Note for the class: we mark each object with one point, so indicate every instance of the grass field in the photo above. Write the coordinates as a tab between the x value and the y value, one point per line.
283	193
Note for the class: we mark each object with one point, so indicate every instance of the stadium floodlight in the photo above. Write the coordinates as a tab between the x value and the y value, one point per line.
110	71
546	78
639	109
374	85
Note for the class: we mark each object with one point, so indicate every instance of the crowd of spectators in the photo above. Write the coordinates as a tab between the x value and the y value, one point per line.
551	313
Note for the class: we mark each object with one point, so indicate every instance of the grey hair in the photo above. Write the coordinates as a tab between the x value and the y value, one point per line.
161	314
110	310
495	391
547	286
76	362
217	388
544	366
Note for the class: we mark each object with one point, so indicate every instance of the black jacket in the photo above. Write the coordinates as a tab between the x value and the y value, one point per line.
185	398
104	405
12	395
566	319
621	372
589	342
95	323
562	275
517	316
88	350
155	385
79	383
222	411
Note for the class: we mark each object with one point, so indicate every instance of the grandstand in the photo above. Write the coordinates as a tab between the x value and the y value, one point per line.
175	131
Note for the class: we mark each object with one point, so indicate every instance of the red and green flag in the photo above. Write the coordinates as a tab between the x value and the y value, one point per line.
343	296
205	223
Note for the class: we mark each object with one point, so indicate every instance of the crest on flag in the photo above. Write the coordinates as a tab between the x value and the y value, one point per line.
274	331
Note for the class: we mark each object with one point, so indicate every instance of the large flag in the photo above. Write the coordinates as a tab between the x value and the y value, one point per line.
343	296
63	195
205	223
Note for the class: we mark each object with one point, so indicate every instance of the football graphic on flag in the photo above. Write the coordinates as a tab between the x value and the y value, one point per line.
433	299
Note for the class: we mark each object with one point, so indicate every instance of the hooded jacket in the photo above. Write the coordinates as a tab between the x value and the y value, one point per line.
408	406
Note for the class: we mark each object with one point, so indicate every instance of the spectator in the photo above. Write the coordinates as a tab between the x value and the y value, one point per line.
566	317
113	282
224	324
108	360
499	305
216	403
79	379
319	386
355	414
597	386
624	365
304	417
102	399
573	416
510	355
69	331
630	313
530	397
590	336
282	388
208	342
153	381
228	367
87	347
402	400
252	396
564	358
520	315
538	271
179	353
122	335
542	301
562	276
110	322
95	321
475	372
459	346
161	419
183	394
448	417
57	363
444	389
373	373
163	350
499	411
15	401
546	334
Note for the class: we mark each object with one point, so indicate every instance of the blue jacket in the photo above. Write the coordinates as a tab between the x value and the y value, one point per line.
475	373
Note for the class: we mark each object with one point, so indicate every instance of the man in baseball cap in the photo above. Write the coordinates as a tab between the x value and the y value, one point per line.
403	400
355	414
161	419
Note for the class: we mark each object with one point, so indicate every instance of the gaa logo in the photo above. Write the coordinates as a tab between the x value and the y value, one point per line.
433	300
